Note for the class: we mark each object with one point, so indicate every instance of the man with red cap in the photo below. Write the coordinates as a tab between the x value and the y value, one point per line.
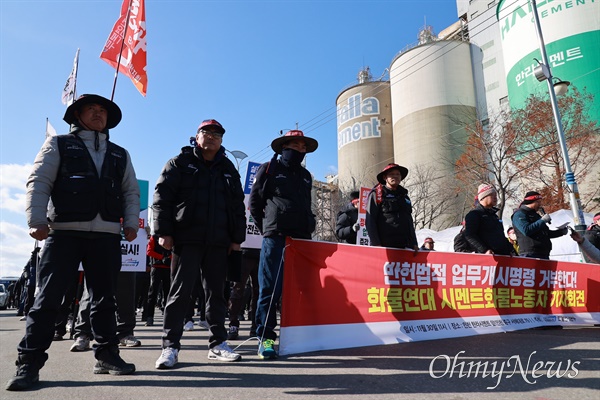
530	223
199	214
280	204
389	211
82	186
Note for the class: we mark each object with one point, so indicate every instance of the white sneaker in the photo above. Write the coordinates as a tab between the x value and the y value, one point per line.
130	341
223	352
189	326
203	324
81	343
167	359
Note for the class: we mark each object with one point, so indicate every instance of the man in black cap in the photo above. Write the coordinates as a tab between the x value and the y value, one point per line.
530	223
389	211
199	214
92	187
280	204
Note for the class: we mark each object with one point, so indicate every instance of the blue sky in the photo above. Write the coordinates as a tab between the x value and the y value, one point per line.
256	66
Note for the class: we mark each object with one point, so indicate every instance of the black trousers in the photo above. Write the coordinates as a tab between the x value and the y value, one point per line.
125	298
237	298
211	264
159	278
62	254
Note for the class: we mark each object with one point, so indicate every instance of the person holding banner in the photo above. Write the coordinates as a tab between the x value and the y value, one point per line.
483	229
530	223
280	204
346	225
389	211
586	247
593	231
92	187
199	214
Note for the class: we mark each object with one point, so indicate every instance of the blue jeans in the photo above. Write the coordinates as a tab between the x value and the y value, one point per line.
270	282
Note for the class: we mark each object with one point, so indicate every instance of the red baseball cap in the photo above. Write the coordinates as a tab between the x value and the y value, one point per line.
211	122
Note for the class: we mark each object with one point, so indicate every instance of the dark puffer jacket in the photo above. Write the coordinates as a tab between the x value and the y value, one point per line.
200	202
346	218
389	218
280	200
484	231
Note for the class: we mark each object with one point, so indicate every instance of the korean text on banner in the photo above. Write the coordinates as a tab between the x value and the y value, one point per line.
340	295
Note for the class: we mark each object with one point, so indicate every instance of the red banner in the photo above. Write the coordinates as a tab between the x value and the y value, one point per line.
133	56
338	295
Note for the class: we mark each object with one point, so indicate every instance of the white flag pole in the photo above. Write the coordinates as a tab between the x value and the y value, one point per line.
69	91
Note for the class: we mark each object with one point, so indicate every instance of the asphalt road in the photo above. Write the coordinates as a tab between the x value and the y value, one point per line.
562	364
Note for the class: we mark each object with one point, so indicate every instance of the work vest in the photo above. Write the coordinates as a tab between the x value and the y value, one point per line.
79	194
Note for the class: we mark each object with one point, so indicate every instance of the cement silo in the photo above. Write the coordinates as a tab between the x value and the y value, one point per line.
364	129
433	97
571	32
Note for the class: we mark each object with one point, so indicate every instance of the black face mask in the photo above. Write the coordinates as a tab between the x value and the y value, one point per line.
292	157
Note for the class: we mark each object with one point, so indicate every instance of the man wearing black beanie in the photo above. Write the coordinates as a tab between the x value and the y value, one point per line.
530	223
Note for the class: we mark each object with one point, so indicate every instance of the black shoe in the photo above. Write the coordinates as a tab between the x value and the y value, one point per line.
57	337
233	333
149	321
28	371
110	362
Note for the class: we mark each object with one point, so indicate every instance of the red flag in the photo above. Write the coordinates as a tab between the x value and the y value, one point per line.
133	56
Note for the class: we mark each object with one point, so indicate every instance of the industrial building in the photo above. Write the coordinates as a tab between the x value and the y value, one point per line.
481	64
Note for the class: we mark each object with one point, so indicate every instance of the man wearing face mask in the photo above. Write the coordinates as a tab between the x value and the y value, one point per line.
280	204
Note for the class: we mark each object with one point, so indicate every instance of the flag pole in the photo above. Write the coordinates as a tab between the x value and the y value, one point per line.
112	96
75	82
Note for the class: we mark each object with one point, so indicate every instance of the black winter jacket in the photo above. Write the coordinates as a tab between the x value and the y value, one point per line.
346	218
280	200
484	231
460	243
200	202
389	220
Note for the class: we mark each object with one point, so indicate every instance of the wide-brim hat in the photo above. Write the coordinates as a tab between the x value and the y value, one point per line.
114	114
277	144
388	168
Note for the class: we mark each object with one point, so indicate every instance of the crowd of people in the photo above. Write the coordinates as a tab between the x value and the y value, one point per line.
83	199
